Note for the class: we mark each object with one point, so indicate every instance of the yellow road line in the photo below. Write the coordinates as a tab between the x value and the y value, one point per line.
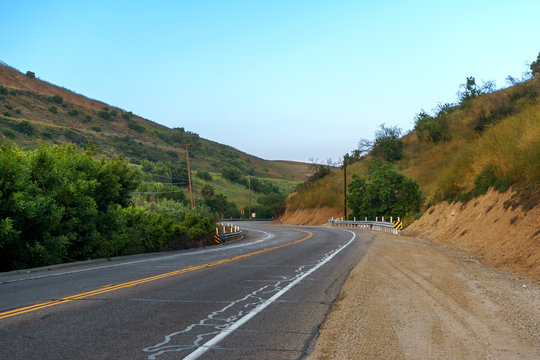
109	288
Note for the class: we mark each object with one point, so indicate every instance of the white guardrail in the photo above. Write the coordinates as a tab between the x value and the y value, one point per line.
233	231
392	227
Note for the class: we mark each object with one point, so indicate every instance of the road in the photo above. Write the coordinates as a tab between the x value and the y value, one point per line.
263	297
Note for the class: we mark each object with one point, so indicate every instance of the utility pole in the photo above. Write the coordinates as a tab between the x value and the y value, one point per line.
345	186
188	171
249	187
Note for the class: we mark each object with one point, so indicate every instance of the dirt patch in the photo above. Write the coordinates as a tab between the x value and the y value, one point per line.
502	230
317	216
409	298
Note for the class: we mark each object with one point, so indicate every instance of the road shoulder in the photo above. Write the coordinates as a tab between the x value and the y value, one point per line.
411	299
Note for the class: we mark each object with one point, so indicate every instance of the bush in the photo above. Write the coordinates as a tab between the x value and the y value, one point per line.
127	115
432	129
9	134
95	128
204	175
73	112
3	90
6	113
388	145
113	113
104	115
384	192
53	109
86	119
30	74
55	99
25	127
135	126
234	175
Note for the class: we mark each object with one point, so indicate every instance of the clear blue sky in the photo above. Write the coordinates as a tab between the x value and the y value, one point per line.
277	79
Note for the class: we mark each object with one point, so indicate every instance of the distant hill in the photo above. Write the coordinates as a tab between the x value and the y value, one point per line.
33	111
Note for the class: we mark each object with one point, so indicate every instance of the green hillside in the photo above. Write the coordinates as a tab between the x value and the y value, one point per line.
33	111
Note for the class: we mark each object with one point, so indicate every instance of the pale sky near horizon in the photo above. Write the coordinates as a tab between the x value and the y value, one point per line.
282	80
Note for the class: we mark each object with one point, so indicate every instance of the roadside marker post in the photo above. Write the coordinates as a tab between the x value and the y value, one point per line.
217	237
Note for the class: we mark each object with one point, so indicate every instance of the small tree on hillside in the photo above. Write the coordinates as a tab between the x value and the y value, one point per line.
388	145
535	66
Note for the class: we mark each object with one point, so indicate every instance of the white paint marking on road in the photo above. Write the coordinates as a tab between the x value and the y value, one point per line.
268	236
224	329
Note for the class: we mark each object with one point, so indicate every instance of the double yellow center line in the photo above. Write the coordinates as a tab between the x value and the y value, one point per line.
109	288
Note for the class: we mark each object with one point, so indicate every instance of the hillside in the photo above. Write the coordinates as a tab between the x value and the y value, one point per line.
488	142
34	111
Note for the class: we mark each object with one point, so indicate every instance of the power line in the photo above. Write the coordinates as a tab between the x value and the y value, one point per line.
156	192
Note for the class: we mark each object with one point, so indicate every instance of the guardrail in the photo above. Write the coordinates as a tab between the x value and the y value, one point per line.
392	227
234	231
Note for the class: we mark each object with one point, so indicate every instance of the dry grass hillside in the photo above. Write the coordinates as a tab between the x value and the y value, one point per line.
491	142
33	111
508	148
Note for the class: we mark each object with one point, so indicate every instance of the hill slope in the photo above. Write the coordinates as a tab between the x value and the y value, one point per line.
34	111
491	141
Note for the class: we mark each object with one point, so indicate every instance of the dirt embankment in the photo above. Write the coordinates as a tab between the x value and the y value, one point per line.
317	216
500	229
409	298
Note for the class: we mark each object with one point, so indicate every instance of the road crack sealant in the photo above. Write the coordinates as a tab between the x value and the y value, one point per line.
221	323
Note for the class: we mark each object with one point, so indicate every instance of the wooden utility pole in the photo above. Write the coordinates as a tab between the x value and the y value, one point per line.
249	187
345	187
188	171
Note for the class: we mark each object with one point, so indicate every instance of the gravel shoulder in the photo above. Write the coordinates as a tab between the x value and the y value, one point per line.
409	298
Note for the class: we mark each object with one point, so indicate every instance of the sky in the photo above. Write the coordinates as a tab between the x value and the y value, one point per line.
281	80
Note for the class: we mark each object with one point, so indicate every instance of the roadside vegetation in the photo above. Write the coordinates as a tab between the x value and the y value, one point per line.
488	139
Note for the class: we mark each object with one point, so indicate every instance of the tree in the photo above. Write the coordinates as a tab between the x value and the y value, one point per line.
208	192
471	90
388	145
535	66
384	192
31	74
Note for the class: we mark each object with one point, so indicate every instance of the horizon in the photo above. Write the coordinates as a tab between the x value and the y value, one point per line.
311	78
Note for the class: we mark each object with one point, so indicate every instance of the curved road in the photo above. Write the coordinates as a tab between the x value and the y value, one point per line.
262	297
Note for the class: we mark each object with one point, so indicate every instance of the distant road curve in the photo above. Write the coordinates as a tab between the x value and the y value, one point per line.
262	297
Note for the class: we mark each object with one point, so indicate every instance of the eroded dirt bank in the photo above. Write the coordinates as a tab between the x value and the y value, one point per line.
409	298
318	216
502	230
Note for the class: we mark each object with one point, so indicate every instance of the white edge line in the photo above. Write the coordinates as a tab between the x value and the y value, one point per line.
224	333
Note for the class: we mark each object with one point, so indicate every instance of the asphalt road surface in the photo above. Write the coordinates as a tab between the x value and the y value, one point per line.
262	297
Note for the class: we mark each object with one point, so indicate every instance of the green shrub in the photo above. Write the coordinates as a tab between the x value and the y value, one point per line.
56	99
18	111
73	112
6	113
30	74
104	115
9	107
3	90
135	126
53	109
127	115
9	134
388	145
25	127
384	192
113	113
205	175
95	128
86	119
